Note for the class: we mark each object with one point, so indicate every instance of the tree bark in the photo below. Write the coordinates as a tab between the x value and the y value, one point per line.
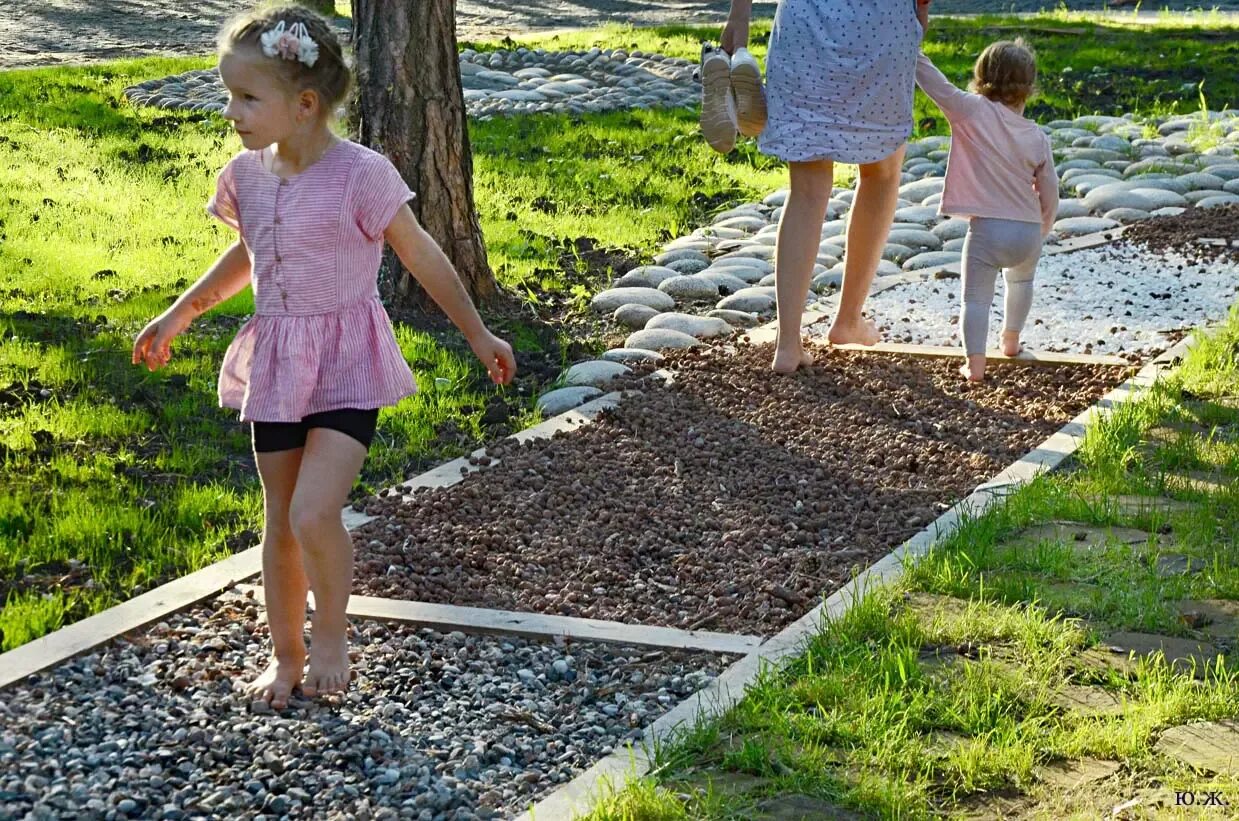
410	106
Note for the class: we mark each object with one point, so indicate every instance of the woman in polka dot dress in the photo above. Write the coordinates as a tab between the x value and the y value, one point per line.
840	76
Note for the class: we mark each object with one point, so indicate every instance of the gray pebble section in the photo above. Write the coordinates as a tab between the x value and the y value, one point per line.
435	726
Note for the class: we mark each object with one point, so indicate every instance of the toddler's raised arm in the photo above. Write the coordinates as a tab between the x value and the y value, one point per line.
953	101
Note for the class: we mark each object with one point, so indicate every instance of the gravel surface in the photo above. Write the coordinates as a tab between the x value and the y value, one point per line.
435	727
730	500
1119	300
1217	227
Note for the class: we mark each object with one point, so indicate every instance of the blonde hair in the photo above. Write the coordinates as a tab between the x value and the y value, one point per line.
1005	72
329	77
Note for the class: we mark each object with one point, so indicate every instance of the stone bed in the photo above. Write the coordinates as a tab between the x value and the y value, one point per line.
521	81
1118	299
434	727
727	501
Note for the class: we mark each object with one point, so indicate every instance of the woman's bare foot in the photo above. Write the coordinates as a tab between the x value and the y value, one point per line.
789	361
329	666
857	332
276	683
973	369
1011	343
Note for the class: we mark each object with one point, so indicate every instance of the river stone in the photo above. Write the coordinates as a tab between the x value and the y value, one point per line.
827	279
1156	164
646	276
1090	182
606	302
1108	198
631	355
751	300
1076	226
519	95
1160	198
529	73
1095	154
1127	214
689	287
919	190
634	316
702	327
736	319
595	372
1075	165
1112	142
1168	212
688	266
914	238
679	254
738	261
721	232
653	339
1230	173
723	280
745	273
751	250
954	244
1218	200
768	279
777	198
1200	180
747	224
920	214
931	259
1231	186
1193	197
1077	173
953	228
1071	207
560	400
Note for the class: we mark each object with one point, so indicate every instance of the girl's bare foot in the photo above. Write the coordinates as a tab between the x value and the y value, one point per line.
276	683
1011	343
789	361
329	666
857	332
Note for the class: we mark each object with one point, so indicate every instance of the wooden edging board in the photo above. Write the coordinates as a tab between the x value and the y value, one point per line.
578	795
485	620
178	594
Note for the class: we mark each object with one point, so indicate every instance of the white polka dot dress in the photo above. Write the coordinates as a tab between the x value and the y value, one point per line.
840	76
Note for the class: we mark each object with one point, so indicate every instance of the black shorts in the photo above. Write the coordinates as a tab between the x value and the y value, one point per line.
270	437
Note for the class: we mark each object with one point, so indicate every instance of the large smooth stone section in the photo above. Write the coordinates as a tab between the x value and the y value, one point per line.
1076	226
634	316
646	276
689	287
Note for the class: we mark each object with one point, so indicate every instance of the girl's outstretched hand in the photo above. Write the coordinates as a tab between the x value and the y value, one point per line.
153	347
735	34
496	355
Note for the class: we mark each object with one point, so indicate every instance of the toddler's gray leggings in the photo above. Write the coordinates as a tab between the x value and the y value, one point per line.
992	244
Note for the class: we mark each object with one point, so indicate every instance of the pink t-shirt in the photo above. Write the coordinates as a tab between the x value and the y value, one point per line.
1000	163
319	339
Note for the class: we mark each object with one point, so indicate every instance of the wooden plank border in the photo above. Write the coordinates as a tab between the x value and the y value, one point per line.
489	621
725	691
178	594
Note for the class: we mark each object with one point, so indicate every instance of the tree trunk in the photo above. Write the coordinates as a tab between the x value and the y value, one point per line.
410	107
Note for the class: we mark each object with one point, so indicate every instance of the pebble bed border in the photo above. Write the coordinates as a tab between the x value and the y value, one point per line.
728	688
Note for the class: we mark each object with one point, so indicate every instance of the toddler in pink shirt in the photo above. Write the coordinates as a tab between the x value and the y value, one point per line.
1000	177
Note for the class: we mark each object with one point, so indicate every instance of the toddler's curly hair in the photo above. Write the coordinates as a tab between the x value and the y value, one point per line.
1006	72
330	75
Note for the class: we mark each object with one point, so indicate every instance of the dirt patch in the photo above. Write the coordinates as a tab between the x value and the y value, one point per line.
729	500
1201	234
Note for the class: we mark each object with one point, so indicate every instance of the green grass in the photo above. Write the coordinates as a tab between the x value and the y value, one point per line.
866	719
140	477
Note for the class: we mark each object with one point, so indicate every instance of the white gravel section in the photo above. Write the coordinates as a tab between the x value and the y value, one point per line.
1119	300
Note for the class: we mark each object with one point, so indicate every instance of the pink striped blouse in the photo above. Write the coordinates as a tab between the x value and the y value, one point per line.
319	339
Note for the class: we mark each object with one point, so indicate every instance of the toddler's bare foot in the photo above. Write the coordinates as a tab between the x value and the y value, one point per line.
1011	343
971	372
276	683
789	360
857	332
329	667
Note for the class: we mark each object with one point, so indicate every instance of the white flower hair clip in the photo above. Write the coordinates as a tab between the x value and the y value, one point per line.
290	42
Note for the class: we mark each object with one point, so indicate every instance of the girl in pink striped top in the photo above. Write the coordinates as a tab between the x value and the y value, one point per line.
318	359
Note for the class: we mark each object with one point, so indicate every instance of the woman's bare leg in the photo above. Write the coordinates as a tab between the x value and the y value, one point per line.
800	234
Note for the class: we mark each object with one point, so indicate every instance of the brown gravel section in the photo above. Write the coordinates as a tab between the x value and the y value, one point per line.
1181	233
730	500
